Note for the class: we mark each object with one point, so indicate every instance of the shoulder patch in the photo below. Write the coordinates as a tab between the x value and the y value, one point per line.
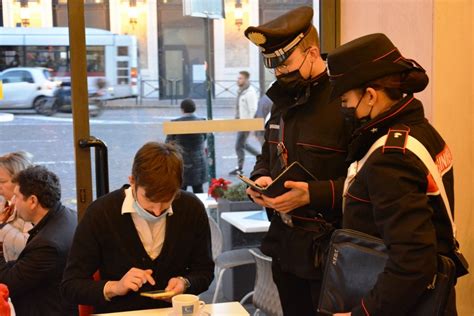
396	140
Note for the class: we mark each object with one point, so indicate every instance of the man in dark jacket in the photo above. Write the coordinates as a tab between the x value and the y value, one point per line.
34	278
194	154
305	126
146	236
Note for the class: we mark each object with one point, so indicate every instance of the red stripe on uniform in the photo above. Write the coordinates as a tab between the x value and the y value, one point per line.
365	309
357	198
322	147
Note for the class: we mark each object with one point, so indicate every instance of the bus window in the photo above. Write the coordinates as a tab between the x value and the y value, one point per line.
10	56
52	57
122	73
122	51
95	61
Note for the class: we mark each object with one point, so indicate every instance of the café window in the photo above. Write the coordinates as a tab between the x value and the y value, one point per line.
96	13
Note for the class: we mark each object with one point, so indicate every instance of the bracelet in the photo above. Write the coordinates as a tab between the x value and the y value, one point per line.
187	284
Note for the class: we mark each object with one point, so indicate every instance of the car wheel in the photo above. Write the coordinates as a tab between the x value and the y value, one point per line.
96	107
45	106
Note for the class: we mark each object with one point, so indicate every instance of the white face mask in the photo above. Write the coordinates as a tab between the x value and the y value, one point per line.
147	215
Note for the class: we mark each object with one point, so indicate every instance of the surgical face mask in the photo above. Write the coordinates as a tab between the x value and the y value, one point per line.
147	215
293	81
351	118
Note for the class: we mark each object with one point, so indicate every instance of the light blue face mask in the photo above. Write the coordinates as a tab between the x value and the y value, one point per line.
146	215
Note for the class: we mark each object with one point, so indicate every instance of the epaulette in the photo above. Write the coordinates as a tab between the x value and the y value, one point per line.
397	137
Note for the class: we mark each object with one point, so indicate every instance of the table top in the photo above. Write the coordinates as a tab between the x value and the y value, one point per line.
208	201
248	221
221	309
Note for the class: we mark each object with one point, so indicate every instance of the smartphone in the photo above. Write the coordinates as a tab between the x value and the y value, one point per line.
157	294
251	184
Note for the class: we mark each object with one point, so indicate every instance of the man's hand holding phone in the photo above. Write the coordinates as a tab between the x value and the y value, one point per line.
257	196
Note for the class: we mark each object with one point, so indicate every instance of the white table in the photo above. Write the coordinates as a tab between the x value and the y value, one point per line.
222	309
208	201
248	221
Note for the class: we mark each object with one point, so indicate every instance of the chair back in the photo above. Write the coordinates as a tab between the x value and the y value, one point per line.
87	310
265	296
5	308
216	238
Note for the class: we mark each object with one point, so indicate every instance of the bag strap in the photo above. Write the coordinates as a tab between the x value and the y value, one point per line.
419	150
416	147
281	148
378	143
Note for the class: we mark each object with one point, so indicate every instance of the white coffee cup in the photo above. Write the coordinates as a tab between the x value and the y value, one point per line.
187	305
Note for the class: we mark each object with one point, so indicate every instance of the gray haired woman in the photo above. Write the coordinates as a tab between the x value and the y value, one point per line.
13	229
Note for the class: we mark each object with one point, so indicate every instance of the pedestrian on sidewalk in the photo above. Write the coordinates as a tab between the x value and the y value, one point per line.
246	108
193	147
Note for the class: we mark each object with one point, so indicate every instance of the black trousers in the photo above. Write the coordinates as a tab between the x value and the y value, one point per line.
299	297
196	188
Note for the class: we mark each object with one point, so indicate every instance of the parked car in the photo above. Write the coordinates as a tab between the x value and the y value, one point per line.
25	88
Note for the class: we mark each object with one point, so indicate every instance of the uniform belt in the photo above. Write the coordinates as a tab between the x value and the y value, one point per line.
307	223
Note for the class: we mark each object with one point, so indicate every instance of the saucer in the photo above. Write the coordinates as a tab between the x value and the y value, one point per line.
201	313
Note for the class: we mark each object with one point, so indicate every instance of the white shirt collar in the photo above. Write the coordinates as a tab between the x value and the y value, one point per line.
127	205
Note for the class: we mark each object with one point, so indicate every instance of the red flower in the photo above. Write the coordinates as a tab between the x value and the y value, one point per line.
218	187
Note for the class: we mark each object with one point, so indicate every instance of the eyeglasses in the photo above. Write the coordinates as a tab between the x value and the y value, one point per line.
283	69
280	70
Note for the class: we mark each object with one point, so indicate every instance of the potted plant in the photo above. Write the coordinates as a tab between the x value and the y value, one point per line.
231	198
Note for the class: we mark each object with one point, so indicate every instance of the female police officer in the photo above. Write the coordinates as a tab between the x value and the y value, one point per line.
391	196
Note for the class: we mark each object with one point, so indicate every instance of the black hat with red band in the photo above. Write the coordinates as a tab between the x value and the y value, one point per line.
366	59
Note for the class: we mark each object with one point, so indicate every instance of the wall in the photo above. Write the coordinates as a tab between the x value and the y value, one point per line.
453	116
439	35
410	29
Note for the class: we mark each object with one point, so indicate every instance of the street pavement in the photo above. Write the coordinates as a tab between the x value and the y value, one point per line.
124	126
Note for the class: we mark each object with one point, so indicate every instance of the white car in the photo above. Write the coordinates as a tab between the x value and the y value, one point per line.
25	88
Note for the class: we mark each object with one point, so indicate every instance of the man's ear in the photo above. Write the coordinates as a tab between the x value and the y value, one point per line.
131	180
314	52
33	201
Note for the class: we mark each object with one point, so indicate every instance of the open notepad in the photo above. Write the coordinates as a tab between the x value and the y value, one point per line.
294	172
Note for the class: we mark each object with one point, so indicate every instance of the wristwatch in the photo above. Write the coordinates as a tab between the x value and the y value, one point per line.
187	284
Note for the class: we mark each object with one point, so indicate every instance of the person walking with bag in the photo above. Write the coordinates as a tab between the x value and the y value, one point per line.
389	192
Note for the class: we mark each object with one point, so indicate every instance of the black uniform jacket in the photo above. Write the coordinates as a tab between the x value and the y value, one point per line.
34	278
108	241
394	198
315	135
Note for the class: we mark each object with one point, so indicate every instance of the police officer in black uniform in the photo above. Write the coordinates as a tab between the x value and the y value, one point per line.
305	126
391	196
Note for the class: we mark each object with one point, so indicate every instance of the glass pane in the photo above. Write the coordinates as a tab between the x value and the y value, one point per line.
121	73
10	56
122	64
95	60
13	77
122	51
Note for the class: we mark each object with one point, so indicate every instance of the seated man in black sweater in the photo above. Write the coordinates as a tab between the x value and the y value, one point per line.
146	236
